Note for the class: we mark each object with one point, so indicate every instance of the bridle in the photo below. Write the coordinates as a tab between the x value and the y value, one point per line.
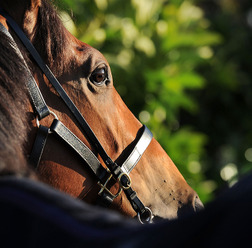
119	172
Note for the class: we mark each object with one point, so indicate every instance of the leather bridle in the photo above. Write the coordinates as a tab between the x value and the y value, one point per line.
119	172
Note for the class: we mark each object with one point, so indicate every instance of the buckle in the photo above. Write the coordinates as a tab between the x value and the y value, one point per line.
124	180
147	219
50	113
104	187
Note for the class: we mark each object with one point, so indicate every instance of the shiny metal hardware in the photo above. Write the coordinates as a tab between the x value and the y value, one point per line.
104	187
128	183
51	113
149	218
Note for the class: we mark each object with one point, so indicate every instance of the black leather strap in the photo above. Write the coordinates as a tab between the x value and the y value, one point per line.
39	146
38	101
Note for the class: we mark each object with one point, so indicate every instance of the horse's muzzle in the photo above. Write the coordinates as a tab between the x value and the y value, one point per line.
198	205
192	206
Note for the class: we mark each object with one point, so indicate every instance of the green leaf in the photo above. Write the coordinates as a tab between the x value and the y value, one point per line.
191	39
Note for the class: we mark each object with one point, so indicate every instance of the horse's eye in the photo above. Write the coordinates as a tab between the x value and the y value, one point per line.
99	76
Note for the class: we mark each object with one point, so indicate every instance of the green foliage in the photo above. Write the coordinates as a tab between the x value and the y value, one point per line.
162	56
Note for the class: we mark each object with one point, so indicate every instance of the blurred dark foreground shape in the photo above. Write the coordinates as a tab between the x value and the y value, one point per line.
36	215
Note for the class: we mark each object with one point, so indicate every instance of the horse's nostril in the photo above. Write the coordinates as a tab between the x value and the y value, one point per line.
198	205
193	205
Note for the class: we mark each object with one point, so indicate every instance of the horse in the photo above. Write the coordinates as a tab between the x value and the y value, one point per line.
84	74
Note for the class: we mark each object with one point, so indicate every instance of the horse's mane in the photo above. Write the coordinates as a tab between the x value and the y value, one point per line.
13	121
49	39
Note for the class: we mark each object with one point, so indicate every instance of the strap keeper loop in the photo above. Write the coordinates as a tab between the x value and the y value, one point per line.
124	181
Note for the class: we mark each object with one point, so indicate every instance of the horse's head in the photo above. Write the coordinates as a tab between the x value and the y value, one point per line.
86	76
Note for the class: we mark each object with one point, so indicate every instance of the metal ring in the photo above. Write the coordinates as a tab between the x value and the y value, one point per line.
148	219
129	180
50	113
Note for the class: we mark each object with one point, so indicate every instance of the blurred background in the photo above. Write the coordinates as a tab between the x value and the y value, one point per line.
184	68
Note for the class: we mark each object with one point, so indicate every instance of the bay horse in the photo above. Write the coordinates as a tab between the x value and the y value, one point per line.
84	74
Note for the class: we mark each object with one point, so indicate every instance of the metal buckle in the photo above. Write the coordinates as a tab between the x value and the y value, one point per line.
128	183
104	187
51	113
147	219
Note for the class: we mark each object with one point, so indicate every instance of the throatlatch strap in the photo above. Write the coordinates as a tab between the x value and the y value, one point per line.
39	145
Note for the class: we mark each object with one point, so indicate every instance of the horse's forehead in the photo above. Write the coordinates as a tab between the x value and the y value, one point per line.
86	52
94	54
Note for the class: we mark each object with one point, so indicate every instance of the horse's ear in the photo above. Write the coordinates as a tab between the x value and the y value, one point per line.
24	12
30	17
35	3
